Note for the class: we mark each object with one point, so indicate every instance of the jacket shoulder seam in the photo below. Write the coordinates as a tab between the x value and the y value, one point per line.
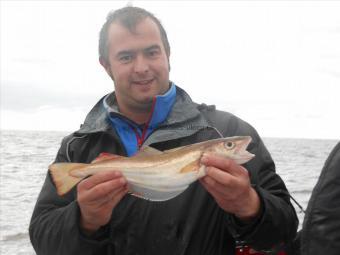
69	143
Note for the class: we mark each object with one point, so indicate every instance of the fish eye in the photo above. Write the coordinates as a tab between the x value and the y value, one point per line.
229	145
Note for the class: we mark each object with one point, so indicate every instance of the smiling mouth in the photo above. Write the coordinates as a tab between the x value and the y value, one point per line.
143	82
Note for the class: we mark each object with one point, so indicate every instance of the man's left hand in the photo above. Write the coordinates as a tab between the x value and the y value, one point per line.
229	184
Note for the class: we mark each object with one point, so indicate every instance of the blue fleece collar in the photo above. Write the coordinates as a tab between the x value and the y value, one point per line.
130	133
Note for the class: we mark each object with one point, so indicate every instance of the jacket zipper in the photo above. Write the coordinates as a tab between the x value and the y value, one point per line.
141	138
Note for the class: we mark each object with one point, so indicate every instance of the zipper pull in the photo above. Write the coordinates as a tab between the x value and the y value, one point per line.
139	142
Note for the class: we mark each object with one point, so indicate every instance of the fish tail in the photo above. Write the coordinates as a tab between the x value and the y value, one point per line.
62	178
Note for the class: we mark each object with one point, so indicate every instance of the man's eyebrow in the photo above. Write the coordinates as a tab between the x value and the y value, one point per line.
129	52
153	47
124	52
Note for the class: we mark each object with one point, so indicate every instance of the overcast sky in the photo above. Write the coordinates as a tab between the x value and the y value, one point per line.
274	64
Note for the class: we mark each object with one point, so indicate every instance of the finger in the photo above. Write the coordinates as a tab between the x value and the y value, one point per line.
98	178
219	176
205	185
118	196
113	196
215	194
104	189
215	186
227	165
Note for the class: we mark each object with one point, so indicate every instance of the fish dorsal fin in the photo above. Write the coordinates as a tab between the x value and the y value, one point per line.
175	149
106	156
148	151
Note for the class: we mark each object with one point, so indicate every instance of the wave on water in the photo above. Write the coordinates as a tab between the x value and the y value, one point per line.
15	237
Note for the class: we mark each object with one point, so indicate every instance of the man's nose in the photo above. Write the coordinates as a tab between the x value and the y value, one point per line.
141	64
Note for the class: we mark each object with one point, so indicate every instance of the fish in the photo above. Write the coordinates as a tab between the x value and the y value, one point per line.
153	174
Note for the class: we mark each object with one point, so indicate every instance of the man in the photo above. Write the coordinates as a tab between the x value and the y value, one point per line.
248	203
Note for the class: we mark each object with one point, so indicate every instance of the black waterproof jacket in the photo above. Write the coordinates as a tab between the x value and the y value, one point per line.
321	226
191	223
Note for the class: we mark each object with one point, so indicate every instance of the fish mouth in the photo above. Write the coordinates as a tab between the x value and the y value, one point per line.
244	158
241	154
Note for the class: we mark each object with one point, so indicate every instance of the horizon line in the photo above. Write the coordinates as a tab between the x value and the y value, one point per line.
71	131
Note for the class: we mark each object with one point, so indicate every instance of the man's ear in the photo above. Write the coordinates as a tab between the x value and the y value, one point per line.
168	55
106	66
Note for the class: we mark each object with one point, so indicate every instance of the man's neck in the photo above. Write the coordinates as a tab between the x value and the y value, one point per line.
138	115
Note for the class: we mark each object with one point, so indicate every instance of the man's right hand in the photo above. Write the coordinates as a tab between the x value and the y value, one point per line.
97	196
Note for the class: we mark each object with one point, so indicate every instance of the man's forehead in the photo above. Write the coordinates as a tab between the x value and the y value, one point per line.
145	31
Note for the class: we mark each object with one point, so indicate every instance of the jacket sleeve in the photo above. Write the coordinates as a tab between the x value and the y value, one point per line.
54	225
278	222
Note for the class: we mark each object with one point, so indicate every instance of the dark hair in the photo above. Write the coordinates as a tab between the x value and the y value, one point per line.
129	17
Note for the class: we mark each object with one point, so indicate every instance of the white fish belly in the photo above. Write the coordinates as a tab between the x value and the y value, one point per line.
162	188
153	194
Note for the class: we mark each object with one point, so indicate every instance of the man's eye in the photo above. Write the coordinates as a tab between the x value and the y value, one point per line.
152	53
125	58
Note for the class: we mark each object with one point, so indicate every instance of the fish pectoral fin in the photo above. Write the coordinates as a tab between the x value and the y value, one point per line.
106	156
192	166
147	151
62	178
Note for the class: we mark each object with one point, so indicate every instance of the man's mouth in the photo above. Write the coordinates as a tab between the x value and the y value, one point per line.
143	82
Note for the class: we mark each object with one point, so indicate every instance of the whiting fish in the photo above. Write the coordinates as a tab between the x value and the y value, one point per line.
153	174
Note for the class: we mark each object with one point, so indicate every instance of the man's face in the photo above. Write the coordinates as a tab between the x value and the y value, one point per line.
138	64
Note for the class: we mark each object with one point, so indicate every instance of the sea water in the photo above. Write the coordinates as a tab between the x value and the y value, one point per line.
25	156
